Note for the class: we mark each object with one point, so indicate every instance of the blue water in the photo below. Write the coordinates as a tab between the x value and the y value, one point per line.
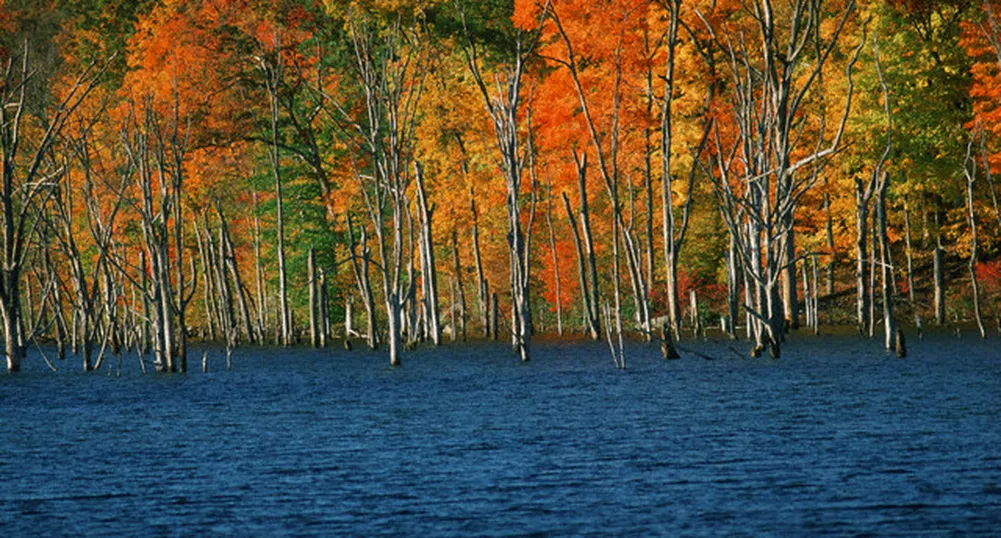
836	438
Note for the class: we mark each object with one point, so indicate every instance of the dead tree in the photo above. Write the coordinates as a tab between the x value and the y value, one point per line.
503	105
457	269
100	223
585	251
672	243
29	178
733	279
772	78
608	166
228	255
556	261
482	287
314	298
262	305
156	150
390	64
208	284
970	173
938	279
360	263
271	67
429	272
881	178
909	254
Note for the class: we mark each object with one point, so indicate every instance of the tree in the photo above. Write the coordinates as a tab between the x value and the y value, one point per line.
503	104
768	93
31	176
390	61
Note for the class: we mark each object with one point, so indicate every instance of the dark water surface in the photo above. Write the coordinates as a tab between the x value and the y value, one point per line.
835	438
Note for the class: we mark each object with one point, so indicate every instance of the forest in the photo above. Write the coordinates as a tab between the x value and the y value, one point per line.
397	173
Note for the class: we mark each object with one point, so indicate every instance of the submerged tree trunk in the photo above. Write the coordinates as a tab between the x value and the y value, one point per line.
314	327
829	235
556	261
429	271
457	269
482	289
273	74
229	256
938	281
970	170
790	303
732	288
861	250
360	265
590	324
910	259
889	320
324	308
262	306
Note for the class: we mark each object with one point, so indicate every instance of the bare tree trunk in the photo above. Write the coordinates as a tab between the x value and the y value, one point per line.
889	321
229	258
861	250
452	308
494	315
457	269
147	307
314	327
693	309
816	297
503	105
552	248
648	150
273	74
790	303
829	235
589	322
207	288
873	243
970	170
882	178
348	317
324	309
262	306
29	176
429	272
769	113
585	226
732	287
394	318
909	253
224	295
360	265
667	179
807	297
482	289
938	262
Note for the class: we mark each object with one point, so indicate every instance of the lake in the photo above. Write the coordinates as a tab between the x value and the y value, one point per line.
836	438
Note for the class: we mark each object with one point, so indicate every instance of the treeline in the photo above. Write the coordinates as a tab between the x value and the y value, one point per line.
414	171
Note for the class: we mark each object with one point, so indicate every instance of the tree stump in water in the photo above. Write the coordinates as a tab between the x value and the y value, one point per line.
205	361
667	344
773	349
901	344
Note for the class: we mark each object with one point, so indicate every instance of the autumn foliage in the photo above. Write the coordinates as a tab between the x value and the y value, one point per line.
347	99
